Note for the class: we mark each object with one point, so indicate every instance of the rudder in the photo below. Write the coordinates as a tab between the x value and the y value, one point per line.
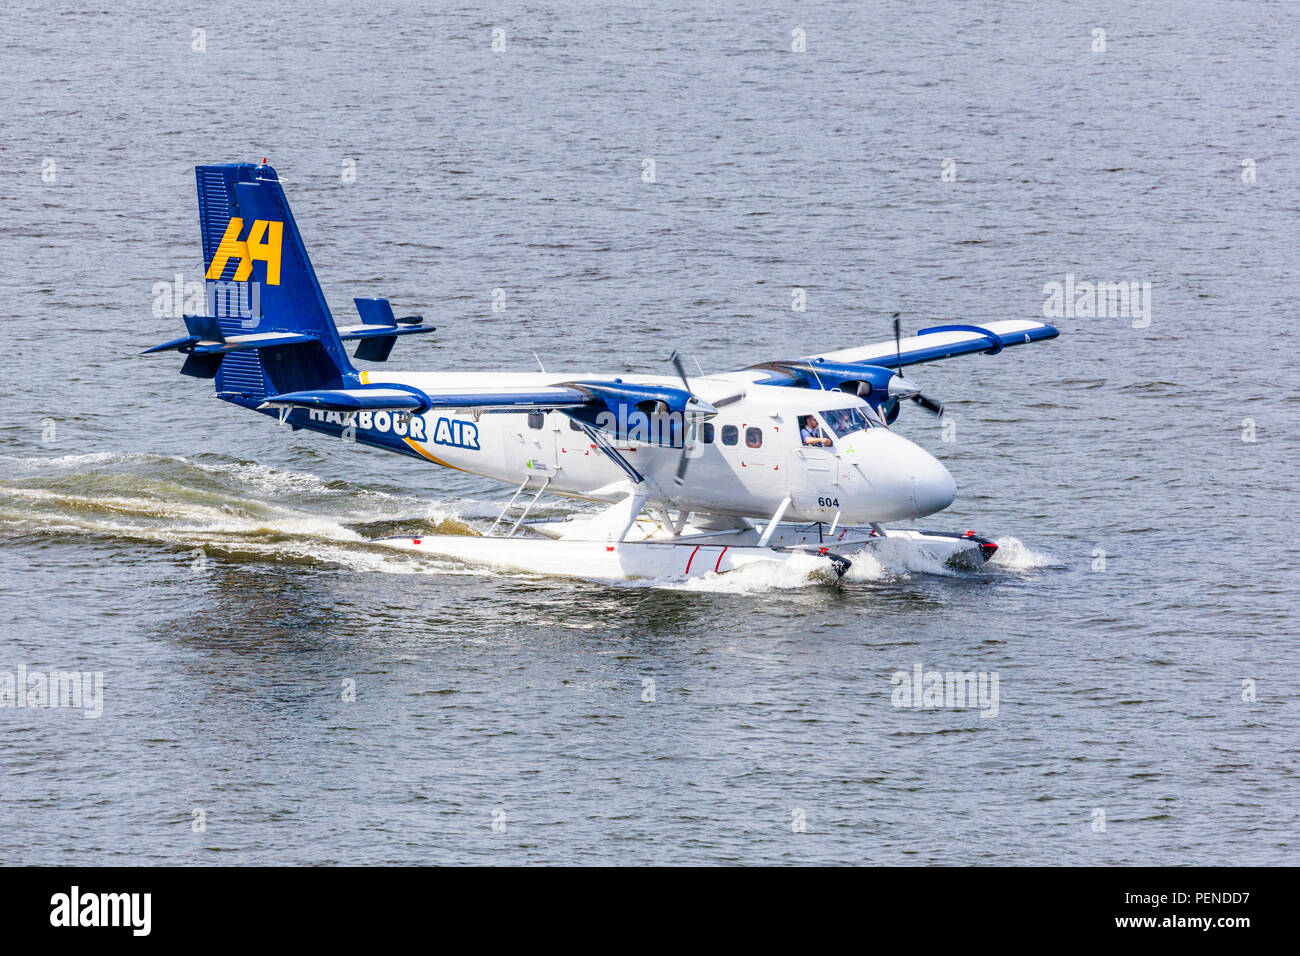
259	279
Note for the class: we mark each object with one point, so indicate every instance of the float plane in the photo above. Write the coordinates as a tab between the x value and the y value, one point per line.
792	459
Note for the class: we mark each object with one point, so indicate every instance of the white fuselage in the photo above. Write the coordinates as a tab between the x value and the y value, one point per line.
755	459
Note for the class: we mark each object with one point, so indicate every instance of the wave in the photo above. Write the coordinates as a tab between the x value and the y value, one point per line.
1015	555
217	509
244	511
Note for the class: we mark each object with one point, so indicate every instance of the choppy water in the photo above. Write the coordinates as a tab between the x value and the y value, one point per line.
1119	689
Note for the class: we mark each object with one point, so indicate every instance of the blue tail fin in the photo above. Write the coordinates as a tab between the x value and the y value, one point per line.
266	329
259	280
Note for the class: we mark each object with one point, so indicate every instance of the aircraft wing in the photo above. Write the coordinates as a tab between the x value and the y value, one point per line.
409	398
583	400
943	341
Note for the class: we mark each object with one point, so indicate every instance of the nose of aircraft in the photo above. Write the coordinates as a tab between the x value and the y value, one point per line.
903	480
933	487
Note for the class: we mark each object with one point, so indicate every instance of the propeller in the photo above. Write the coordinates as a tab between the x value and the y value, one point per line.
695	411
901	387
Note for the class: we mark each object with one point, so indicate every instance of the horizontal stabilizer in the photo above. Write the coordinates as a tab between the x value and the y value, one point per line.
257	340
212	342
379	329
206	345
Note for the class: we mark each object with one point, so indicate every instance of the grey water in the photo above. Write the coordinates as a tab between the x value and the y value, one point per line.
277	689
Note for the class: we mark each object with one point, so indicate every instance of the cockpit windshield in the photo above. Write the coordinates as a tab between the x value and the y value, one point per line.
843	421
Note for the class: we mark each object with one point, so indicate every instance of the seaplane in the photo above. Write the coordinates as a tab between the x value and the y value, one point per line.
793	460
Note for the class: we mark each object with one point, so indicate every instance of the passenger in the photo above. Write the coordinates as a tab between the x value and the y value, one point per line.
812	434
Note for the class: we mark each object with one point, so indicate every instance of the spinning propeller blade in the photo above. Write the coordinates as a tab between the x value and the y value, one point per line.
898	346
676	359
929	404
900	387
695	410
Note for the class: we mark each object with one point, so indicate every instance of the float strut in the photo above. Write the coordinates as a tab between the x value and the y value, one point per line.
776	519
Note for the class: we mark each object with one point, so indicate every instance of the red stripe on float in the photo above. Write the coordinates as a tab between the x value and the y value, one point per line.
690	559
719	564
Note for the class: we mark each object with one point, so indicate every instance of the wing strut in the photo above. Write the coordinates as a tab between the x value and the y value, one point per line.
612	453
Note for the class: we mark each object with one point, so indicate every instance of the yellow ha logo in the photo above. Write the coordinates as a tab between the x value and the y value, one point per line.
262	245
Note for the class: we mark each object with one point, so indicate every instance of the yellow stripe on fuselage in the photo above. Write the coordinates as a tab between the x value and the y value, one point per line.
419	449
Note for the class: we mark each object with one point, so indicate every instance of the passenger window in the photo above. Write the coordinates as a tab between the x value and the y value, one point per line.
535	420
706	433
753	437
575	424
730	434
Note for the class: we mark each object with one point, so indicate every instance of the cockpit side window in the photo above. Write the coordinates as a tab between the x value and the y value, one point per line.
812	433
844	421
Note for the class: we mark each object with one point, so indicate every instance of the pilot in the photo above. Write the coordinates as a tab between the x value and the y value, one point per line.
811	434
840	420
